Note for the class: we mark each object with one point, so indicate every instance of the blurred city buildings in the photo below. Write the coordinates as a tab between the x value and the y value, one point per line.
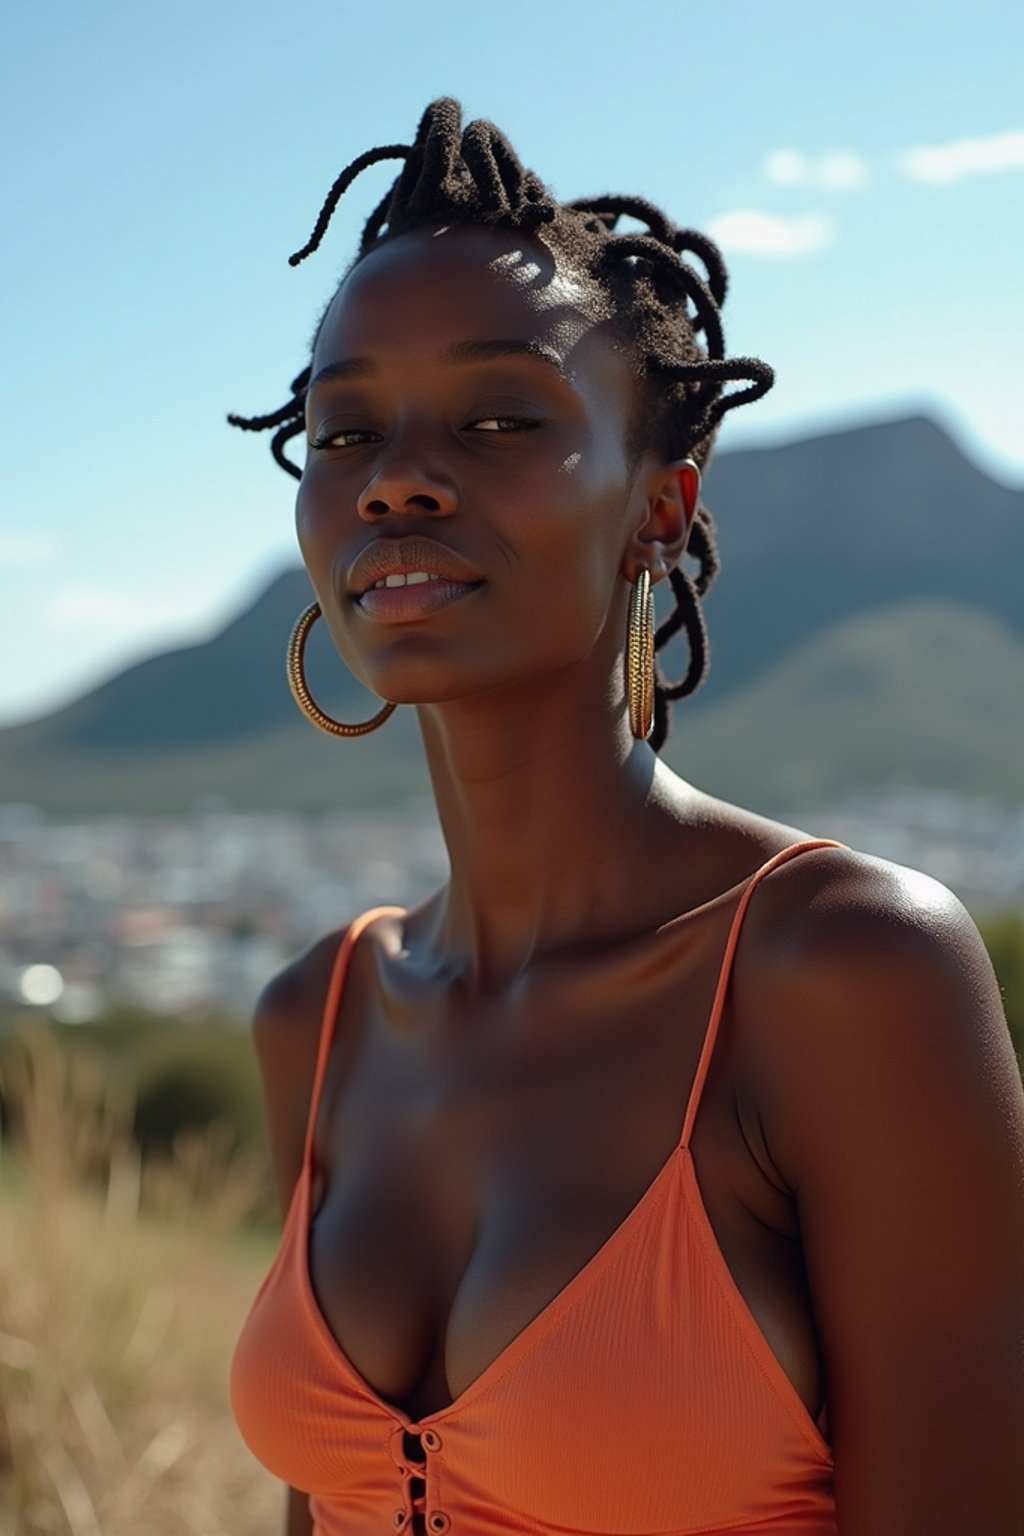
190	916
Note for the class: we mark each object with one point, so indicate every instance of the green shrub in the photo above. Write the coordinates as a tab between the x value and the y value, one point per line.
191	1078
1004	940
181	1076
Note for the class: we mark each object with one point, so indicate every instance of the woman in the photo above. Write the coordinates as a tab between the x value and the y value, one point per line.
523	1285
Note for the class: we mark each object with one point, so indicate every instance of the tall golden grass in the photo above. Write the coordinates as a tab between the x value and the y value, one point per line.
123	1284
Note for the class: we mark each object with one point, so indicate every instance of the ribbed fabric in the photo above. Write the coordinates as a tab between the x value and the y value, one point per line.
643	1399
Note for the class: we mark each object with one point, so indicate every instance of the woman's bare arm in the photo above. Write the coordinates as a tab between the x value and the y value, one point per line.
285	1031
298	1520
894	1110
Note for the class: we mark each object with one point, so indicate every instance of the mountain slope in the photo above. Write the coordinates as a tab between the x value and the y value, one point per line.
926	693
815	531
815	536
809	533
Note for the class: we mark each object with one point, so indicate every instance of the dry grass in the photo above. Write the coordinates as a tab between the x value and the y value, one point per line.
122	1289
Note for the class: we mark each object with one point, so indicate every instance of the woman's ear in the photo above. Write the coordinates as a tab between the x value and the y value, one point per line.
670	495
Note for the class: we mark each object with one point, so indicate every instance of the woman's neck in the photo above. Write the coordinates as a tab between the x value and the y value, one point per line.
551	814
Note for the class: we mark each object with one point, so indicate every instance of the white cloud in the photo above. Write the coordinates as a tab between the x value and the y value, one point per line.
839	171
844	171
22	549
786	167
940	163
750	232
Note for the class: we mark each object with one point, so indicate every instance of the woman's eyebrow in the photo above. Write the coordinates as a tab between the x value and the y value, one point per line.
476	351
484	351
347	368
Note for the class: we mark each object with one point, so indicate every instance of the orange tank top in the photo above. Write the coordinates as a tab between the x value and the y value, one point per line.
644	1398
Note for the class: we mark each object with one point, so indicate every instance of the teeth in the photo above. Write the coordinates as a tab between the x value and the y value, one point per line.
411	580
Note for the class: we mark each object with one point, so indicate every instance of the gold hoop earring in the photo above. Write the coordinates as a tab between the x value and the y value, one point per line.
640	656
301	694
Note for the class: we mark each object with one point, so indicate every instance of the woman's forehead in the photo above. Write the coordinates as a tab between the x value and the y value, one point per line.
468	281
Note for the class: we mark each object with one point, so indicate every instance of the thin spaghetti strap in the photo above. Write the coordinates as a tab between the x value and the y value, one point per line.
330	1014
718	1007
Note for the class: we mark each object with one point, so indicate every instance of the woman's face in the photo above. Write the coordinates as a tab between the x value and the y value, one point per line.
463	392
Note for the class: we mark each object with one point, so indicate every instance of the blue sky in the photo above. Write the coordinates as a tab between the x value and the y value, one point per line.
861	166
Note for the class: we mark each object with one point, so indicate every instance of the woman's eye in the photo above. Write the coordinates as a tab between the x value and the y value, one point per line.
504	423
347	437
355	437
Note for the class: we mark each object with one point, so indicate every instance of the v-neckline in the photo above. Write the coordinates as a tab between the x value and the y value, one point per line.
517	1345
552	1311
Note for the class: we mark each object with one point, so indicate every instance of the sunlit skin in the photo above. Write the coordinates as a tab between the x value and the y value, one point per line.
534	1025
520	687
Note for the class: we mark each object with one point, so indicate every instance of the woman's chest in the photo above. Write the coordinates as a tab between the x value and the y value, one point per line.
468	1168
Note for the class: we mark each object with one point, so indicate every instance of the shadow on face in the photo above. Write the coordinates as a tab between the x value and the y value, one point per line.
468	387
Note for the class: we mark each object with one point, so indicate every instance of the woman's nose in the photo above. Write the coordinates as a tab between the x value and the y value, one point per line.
402	486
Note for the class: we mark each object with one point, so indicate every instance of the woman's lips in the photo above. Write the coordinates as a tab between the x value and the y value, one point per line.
394	605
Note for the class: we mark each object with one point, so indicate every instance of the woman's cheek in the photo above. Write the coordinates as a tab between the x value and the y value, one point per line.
303	526
317	509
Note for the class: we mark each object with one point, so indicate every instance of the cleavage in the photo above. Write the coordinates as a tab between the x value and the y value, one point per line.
471	1192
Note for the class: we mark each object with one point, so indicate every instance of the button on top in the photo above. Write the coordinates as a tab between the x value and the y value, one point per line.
432	1440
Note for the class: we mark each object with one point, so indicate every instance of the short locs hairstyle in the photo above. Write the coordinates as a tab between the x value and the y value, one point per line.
658	302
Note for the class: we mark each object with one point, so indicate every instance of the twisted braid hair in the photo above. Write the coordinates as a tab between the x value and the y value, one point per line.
655	299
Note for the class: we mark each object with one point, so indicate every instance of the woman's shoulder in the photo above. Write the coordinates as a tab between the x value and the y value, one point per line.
835	925
290	1008
839	907
816	891
287	1023
889	1105
826	895
856	968
844	952
291	1000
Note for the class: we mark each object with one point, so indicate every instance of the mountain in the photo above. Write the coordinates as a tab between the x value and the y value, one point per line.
923	692
882	530
819	530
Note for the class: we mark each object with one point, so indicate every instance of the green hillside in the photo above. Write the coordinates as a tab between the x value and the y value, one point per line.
929	693
295	767
925	692
855	639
